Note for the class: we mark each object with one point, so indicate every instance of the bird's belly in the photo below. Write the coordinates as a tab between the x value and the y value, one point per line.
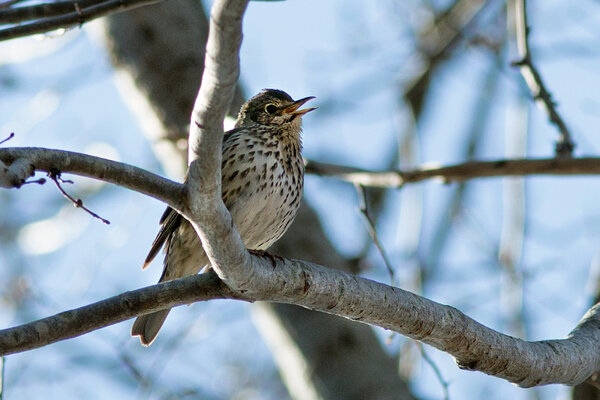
263	216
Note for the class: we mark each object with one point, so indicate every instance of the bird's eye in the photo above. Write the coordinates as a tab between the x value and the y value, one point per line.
270	108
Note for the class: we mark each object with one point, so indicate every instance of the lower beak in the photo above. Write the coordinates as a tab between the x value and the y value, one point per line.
294	107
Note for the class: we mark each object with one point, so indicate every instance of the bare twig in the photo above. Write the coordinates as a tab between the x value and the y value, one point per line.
459	172
76	17
12	135
54	175
40	181
564	147
436	370
437	43
364	211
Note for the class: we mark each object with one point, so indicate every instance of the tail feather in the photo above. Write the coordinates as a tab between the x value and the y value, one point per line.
185	256
147	326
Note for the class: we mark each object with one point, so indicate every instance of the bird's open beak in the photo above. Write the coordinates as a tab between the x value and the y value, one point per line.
293	109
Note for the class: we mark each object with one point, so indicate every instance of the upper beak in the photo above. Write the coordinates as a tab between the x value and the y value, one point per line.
293	108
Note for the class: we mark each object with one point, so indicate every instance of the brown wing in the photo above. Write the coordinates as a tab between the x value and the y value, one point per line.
170	221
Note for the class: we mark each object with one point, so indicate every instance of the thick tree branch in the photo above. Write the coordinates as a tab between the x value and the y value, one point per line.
533	78
210	218
459	172
475	347
59	15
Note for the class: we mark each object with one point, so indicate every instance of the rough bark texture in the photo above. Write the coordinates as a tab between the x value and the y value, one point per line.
335	349
139	41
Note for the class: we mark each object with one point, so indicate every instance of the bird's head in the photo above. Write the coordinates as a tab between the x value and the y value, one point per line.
273	107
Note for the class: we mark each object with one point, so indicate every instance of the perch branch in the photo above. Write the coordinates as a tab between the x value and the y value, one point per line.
474	346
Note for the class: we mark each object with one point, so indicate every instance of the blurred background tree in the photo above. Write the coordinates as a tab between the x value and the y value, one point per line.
399	84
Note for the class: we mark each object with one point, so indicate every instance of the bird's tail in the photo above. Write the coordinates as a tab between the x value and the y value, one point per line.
147	326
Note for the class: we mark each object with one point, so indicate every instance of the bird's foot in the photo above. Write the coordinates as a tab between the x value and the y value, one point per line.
266	254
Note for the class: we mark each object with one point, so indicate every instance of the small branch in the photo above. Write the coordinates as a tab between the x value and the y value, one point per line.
12	135
564	147
78	16
436	370
459	172
40	181
364	210
121	174
54	174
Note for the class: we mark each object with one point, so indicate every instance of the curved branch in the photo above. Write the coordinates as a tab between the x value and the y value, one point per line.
458	172
121	174
475	347
210	218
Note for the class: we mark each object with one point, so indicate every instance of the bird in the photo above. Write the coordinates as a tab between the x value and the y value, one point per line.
262	179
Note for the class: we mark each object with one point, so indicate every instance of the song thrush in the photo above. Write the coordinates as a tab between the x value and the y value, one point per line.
262	180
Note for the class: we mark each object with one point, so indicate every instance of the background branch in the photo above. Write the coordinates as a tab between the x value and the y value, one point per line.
533	78
62	15
16	15
459	172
